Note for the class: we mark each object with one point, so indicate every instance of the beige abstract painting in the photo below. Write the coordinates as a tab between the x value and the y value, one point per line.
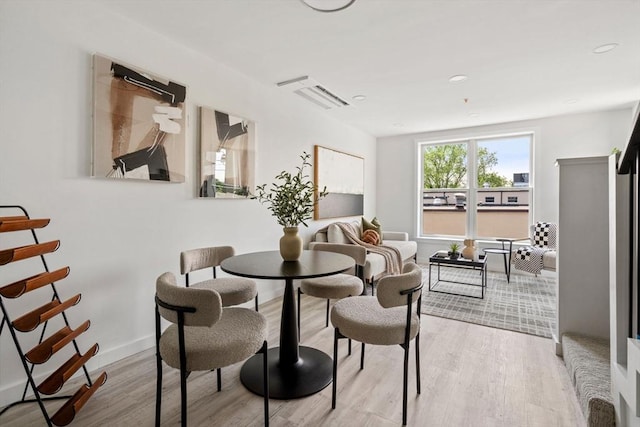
138	124
343	176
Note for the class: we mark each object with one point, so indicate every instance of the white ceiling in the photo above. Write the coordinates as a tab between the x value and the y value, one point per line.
524	58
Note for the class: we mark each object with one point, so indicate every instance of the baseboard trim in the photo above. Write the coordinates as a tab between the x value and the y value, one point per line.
12	392
557	344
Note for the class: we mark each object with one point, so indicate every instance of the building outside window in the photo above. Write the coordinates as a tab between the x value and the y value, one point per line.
477	187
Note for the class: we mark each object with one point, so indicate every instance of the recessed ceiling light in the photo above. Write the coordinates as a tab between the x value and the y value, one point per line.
328	5
571	101
605	48
458	78
359	98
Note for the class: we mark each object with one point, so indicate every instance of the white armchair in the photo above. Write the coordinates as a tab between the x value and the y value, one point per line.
540	254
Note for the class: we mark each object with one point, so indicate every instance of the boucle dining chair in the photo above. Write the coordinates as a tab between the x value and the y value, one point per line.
384	319
204	336
337	286
233	290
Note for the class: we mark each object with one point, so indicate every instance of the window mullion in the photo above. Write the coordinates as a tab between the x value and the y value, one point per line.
472	183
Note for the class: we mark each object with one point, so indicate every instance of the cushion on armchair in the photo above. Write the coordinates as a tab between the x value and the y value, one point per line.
395	235
335	234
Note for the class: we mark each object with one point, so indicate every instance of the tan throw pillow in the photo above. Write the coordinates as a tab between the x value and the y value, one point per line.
371	237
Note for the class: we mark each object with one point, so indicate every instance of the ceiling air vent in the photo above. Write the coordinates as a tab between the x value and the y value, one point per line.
313	91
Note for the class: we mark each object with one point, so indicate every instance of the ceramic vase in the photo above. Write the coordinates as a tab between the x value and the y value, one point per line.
469	251
290	244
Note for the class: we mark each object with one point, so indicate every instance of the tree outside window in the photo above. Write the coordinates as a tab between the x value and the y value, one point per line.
445	166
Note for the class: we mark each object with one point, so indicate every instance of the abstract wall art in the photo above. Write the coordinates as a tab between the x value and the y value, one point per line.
227	155
343	176
138	124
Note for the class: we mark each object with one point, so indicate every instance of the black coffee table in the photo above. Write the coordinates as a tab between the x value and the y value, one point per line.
480	265
294	371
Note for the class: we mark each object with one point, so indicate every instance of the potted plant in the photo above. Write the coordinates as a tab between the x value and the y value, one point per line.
454	249
291	199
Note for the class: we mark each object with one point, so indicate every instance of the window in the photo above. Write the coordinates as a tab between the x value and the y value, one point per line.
445	177
477	187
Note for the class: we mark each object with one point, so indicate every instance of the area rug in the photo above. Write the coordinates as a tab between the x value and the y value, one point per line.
527	304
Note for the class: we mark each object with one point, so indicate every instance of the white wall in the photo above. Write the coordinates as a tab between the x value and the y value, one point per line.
119	236
583	248
579	135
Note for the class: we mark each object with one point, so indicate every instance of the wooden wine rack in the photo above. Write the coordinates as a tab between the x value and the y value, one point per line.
39	318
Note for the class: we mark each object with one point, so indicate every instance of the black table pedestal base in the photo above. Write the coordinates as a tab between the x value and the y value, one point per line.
312	373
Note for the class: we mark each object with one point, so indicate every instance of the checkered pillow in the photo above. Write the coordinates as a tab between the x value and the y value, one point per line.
544	235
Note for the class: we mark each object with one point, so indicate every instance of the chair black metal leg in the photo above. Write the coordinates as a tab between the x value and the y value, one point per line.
405	384
183	397
335	368
349	346
299	292
373	291
509	263
418	362
256	302
158	390
219	375
265	375
362	357
158	368
326	322
506	268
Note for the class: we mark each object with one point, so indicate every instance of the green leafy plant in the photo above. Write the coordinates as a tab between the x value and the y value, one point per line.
292	197
454	248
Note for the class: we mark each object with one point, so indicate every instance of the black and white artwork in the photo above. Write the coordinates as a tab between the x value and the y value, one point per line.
227	155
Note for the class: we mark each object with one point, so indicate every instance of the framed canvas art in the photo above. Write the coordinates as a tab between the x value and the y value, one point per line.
138	124
227	155
343	176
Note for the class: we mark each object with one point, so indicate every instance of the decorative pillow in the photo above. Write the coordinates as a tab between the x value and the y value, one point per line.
357	229
375	222
373	225
335	235
371	237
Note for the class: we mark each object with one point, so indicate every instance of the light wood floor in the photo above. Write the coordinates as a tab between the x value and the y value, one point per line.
471	376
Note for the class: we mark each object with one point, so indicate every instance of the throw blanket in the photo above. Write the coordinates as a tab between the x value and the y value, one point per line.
529	258
392	256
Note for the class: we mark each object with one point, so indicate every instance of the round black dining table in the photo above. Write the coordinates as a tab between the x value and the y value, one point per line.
294	371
